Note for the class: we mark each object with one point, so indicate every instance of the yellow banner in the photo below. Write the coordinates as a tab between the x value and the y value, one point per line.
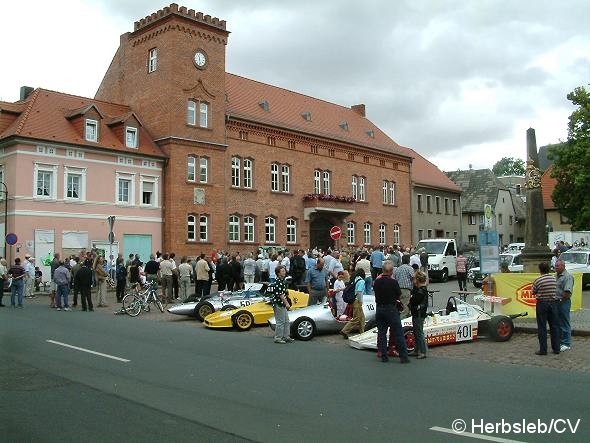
516	289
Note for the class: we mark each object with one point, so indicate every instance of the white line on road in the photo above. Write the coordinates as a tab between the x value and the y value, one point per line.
478	436
124	360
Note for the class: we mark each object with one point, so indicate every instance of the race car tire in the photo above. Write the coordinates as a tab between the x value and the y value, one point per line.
228	308
303	329
501	328
243	321
444	276
477	285
203	309
410	338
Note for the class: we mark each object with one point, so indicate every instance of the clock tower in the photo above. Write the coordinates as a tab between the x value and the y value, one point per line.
171	71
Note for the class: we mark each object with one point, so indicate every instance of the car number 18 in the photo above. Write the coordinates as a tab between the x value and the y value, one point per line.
464	332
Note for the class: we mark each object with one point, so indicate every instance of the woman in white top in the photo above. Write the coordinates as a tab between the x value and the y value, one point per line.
275	261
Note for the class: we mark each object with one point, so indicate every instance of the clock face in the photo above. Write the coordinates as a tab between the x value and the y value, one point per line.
200	59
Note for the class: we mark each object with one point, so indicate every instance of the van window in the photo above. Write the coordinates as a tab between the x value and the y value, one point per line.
450	249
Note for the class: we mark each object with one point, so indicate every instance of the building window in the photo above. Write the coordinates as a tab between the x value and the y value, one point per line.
430	233
510	220
270	229
317	181
472	239
125	160
419	203
362	189
190	169
350	233
131	137
354	187
203	228
73	186
285	185
396	236
454	207
382	236
471	219
428	204
291	230
389	193
392	193
272	141
45	182
234	228
420	234
499	219
249	229
203	115
148	192
367	233
191	113
291	144
74	153
190	227
326	175
518	189
152	59
447	206
91	131
385	195
243	135
437	204
235	172
274	177
203	169
124	191
247	173
455	235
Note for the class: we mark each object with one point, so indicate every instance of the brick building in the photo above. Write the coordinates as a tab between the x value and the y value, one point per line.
249	163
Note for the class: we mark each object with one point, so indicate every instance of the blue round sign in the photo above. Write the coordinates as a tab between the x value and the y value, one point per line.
11	239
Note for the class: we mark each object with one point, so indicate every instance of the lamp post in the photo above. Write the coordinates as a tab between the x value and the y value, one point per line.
5	218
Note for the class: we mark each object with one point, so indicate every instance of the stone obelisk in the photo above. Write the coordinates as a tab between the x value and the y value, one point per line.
535	239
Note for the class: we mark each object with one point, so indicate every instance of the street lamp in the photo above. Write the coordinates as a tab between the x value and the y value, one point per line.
5	217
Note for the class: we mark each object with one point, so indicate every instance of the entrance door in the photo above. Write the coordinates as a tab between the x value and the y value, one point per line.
320	234
44	250
137	244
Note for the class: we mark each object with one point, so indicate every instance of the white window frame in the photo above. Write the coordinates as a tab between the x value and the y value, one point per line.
191	225
191	163
152	60
274	177
81	172
362	195
270	231
74	153
382	232
367	233
89	123
354	186
285	182
396	235
326	182
317	181
51	169
235	171
350	233
472	219
130	130
248	169
125	176
291	231
154	182
203	114
203	228
392	193
234	229
203	169
249	229
191	113
385	194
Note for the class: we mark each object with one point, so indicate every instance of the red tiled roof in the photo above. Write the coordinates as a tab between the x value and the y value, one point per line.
44	117
547	186
427	174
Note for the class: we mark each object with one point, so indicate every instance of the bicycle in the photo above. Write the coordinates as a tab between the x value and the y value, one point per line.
135	302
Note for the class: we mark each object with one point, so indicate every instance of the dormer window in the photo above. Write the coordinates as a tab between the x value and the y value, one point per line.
264	105
344	126
91	130
131	137
371	133
152	59
306	116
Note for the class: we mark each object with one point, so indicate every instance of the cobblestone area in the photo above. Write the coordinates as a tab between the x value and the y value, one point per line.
520	350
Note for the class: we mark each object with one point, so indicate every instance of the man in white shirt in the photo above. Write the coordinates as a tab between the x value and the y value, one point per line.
29	266
249	269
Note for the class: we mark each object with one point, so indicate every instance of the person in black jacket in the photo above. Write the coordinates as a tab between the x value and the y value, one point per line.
223	274
418	306
83	281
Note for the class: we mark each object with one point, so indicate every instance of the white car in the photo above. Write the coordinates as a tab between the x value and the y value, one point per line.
459	322
577	260
511	258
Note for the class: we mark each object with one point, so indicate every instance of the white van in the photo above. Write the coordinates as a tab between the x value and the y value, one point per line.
442	257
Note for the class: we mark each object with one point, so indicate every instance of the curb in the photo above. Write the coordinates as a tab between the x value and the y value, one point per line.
533	330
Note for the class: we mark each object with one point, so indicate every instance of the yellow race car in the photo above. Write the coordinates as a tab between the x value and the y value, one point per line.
244	318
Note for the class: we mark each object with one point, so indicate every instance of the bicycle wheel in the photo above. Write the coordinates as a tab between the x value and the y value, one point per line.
159	304
132	304
161	300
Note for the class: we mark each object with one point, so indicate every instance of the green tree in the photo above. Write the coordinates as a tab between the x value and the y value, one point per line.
509	166
571	167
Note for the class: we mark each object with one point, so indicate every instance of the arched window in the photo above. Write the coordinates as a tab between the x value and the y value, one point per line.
248	229
291	230
203	228
234	228
350	233
382	236
235	172
191	228
367	232
270	229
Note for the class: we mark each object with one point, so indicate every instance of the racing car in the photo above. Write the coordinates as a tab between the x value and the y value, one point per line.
319	319
221	301
243	318
459	322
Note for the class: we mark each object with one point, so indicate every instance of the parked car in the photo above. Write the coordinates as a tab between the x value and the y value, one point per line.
577	260
319	319
459	322
512	259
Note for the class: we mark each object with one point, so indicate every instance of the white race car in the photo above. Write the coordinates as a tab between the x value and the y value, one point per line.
221	301
459	322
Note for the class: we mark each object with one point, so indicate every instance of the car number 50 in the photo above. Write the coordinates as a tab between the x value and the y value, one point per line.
464	332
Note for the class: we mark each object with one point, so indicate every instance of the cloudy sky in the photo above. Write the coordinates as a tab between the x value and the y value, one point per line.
459	81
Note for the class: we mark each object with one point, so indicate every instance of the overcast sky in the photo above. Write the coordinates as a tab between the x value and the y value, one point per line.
458	81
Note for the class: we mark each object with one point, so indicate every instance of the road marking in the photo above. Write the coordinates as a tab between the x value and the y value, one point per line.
124	360
478	436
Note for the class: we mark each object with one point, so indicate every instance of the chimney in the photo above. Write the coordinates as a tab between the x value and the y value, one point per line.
359	109
25	91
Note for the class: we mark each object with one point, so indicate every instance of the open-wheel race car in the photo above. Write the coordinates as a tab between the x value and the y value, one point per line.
458	322
221	301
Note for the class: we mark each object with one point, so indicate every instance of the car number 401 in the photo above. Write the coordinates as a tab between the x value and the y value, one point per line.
464	332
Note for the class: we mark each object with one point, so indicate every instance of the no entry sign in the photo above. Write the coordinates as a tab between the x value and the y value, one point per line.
335	232
11	239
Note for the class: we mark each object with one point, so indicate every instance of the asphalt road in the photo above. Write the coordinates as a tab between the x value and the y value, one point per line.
184	383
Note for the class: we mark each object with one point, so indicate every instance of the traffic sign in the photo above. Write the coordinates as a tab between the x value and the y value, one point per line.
11	239
335	232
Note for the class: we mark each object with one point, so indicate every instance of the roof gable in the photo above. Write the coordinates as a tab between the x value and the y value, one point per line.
480	187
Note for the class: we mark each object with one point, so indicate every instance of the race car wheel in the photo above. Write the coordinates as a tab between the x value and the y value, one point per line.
444	276
477	285
303	329
243	321
228	308
501	328
203	309
410	339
